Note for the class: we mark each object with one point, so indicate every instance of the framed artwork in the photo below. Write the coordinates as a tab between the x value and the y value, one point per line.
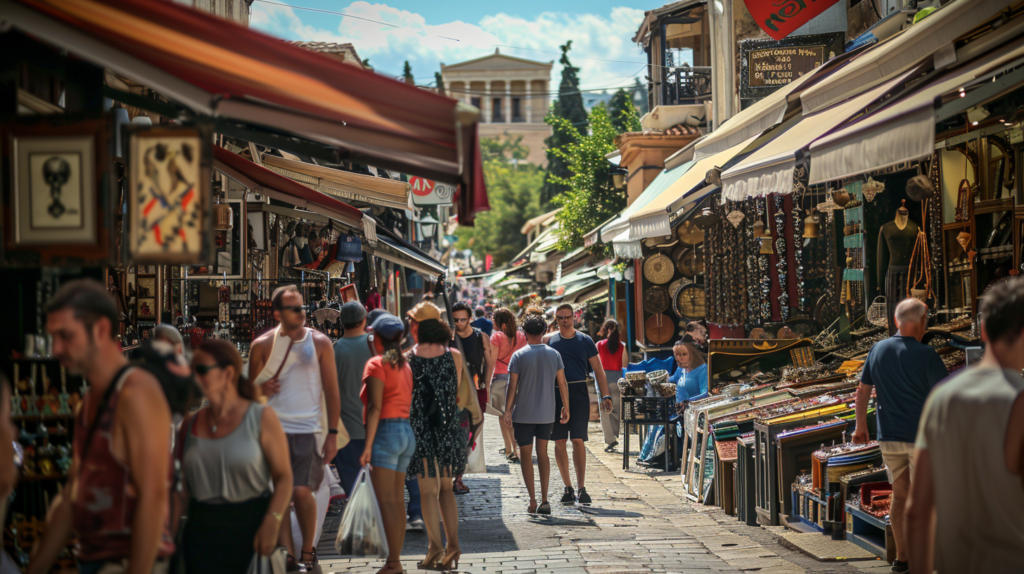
57	208
169	180
147	287
147	308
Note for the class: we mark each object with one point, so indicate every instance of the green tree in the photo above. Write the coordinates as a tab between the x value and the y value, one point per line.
569	107
513	190
440	82
619	109
591	197
407	74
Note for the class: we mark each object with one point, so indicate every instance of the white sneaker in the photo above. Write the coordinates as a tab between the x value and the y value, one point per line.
415	525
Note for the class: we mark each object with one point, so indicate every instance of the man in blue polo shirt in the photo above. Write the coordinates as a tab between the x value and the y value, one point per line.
579	357
902	371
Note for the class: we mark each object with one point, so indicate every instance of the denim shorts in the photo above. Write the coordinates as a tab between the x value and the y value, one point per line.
393	446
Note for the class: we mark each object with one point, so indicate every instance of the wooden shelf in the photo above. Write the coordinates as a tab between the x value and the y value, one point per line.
955	225
993	206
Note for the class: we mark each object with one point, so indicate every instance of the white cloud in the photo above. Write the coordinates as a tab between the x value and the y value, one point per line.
595	38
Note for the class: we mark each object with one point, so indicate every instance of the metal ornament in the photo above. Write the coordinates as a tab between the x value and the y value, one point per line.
871	188
735	218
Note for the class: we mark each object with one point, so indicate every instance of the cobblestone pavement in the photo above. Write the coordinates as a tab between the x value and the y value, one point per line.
639	523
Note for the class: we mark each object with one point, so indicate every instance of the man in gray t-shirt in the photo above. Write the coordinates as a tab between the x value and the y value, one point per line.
530	405
351	353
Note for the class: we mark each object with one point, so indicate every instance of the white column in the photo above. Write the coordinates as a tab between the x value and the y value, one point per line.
528	103
487	102
508	101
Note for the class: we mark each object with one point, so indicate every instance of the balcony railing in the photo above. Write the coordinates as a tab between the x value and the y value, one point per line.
686	85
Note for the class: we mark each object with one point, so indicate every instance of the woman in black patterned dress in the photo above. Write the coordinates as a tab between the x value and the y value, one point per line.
440	453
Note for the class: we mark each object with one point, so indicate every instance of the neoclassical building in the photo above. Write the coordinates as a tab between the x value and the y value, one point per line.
513	96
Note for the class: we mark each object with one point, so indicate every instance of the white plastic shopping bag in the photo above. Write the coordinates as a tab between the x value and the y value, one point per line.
475	463
362	528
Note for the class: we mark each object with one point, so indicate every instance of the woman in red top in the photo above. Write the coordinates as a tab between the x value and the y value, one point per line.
614	356
505	340
390	442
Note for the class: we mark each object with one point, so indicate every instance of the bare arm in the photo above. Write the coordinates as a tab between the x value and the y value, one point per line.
258	356
145	421
58	528
602	382
275	450
489	357
921	513
563	390
510	398
374	406
860	432
332	395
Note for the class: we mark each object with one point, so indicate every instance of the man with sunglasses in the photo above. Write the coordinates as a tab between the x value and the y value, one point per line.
476	348
579	357
294	365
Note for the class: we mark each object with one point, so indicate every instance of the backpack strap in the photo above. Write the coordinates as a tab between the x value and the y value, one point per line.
101	408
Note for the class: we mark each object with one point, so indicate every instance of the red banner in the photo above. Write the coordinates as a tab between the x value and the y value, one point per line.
780	18
488	261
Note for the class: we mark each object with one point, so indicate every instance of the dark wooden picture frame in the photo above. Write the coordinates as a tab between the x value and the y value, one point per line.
93	251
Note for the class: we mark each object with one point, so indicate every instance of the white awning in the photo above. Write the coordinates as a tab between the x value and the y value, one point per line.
654	220
899	53
621	223
626	248
902	131
767	112
770	168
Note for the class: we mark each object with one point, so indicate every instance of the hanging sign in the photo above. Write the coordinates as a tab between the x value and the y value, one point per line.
780	18
429	192
767	65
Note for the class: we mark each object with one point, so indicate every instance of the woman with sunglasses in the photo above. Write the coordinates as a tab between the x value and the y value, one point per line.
234	450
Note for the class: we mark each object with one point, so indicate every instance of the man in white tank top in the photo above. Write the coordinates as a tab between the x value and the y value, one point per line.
293	367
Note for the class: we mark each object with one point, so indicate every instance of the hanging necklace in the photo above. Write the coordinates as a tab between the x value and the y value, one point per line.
213	419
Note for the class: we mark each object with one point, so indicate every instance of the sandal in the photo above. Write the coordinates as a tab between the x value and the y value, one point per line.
544	508
310	565
459	487
392	570
513	458
532	508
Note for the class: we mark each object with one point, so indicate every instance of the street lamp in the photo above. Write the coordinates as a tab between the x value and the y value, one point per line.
428	225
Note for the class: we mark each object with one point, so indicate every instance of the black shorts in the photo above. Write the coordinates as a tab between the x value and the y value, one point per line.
306	460
526	432
579	414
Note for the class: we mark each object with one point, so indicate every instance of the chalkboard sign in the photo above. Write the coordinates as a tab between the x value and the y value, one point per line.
767	65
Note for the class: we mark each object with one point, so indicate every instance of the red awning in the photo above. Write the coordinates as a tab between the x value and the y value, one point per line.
261	180
218	68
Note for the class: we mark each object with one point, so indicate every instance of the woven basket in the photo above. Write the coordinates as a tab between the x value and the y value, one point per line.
657	377
666	389
656	299
877	315
658	269
659	329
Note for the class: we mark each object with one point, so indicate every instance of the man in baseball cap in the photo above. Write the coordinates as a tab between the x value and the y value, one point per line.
351	352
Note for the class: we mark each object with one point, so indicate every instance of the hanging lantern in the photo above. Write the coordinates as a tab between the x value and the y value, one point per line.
811	226
223	218
759	231
766	246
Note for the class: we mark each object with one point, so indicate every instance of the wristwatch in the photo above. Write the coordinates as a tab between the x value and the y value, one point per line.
606	398
332	431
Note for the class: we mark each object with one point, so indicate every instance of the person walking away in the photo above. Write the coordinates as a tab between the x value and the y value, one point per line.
476	349
387	396
531	406
613	355
699	333
440	442
482	322
294	366
965	507
237	477
902	371
170	334
351	352
121	456
505	341
579	357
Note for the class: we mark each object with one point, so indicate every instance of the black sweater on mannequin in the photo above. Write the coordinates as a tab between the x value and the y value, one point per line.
895	247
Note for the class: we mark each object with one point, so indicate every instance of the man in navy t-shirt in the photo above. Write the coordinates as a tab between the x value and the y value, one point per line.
579	357
902	371
483	323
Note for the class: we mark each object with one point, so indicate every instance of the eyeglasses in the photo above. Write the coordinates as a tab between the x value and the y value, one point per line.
564	317
294	309
204	369
461	320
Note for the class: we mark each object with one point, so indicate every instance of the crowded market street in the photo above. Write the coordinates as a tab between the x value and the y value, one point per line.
640	522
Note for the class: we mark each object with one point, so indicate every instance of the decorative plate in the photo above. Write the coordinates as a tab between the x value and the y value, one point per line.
656	299
658	269
689	233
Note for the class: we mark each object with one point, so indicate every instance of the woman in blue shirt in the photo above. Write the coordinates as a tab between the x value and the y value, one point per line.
691	378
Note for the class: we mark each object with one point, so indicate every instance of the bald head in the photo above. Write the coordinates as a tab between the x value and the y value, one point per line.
912	318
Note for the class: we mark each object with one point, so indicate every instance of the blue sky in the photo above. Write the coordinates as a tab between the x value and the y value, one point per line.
428	33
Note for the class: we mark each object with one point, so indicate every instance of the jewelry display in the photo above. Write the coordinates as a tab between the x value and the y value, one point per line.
781	264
